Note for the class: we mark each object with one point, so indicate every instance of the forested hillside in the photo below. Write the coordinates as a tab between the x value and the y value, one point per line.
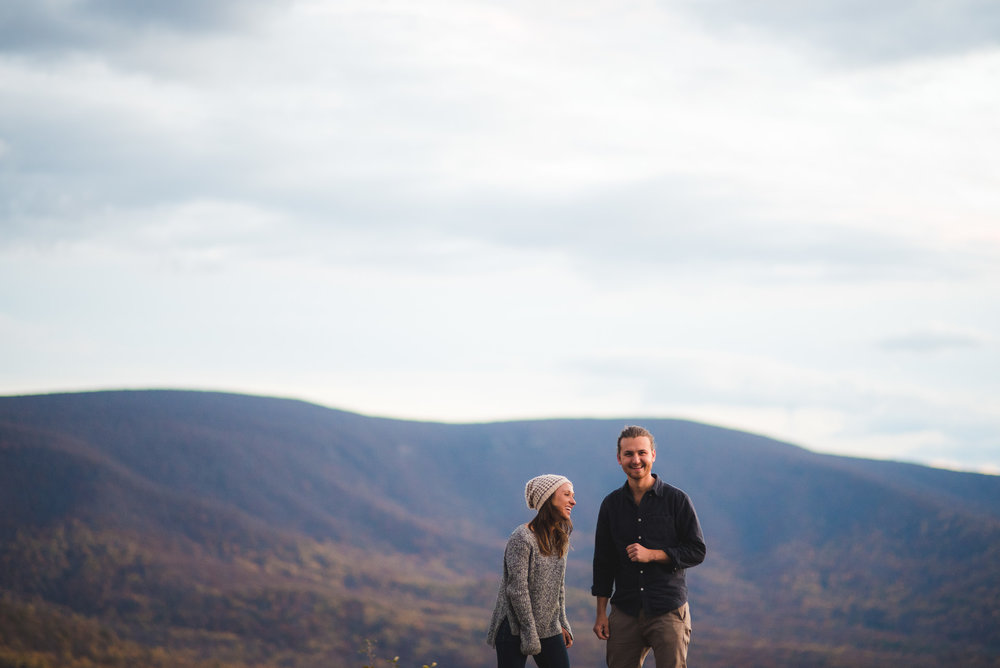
169	528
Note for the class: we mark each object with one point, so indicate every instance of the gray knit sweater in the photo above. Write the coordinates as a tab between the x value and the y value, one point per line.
532	593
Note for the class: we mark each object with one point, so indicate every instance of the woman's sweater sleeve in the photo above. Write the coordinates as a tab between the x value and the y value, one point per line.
563	619
517	560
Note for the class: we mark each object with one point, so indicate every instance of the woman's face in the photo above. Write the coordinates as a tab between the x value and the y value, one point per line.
563	500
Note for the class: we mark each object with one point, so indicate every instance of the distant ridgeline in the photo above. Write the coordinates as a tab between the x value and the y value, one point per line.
165	528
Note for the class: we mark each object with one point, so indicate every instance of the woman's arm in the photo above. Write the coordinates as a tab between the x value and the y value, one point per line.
517	561
563	618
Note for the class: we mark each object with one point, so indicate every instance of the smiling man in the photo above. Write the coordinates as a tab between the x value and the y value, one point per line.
647	535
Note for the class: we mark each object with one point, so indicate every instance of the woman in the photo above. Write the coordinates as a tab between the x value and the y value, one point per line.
530	614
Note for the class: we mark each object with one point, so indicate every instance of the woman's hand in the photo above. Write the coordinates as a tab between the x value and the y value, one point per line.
567	638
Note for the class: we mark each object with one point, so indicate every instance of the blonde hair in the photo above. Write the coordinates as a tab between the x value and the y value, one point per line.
635	431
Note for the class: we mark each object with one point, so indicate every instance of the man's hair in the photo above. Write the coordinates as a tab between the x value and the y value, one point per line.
635	431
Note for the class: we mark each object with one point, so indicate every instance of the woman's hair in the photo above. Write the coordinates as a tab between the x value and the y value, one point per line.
551	531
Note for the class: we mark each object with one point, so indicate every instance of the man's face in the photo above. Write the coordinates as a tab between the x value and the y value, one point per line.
636	457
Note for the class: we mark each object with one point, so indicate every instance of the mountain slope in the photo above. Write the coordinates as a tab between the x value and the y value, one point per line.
256	530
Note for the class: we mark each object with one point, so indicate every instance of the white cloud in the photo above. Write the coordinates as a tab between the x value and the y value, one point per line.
929	341
472	211
46	27
859	32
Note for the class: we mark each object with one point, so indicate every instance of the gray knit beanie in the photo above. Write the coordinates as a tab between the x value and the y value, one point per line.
539	489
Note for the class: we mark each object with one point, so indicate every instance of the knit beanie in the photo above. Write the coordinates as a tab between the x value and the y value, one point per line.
539	489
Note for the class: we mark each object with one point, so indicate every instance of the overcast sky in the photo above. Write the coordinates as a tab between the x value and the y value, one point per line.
778	216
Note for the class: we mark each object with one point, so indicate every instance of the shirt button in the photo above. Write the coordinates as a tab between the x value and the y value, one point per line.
640	519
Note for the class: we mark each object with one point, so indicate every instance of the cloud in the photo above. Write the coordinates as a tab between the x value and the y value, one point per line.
929	341
531	209
51	26
180	14
395	115
814	404
857	32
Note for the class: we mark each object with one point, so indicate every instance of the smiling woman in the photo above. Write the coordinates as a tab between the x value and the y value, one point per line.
529	618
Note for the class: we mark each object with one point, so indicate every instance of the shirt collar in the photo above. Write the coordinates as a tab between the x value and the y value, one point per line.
658	486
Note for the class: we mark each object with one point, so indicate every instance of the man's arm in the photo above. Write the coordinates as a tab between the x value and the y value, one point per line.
605	559
691	549
604	571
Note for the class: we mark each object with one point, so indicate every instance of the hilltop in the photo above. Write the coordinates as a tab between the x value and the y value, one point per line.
175	528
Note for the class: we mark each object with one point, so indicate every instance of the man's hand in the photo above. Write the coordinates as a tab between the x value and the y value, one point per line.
643	555
601	628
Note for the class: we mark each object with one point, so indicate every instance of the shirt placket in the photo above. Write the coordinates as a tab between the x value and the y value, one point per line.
641	567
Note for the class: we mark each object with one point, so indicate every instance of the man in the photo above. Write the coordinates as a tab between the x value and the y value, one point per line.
647	535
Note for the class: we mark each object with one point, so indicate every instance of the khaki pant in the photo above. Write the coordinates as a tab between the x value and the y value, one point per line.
631	638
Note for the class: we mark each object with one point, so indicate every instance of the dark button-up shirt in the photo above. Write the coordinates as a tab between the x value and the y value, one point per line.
663	520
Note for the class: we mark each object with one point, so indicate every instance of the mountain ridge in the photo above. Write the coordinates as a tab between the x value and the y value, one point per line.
320	508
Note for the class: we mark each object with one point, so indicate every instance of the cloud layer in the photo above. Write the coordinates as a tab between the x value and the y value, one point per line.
763	216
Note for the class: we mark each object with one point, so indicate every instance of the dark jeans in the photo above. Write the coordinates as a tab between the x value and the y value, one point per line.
553	654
